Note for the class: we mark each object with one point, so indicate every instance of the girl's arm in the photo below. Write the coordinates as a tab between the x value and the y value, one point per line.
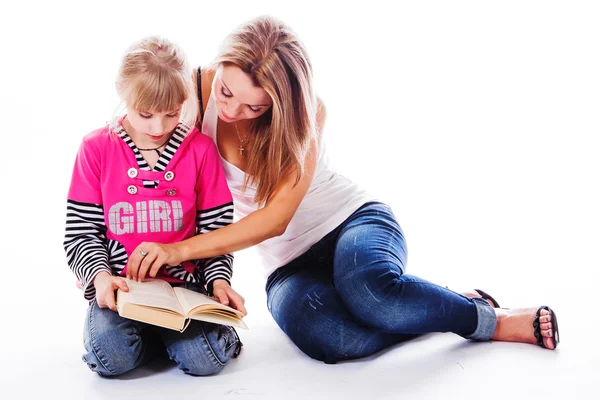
85	240
270	221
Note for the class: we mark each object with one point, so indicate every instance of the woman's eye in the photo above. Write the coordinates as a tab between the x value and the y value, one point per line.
225	94
147	116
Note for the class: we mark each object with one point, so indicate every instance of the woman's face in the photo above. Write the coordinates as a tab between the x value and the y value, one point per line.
237	97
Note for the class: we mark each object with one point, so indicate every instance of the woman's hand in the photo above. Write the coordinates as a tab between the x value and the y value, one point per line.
226	295
148	258
106	285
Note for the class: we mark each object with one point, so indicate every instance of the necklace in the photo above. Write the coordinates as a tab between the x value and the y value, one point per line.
241	148
156	148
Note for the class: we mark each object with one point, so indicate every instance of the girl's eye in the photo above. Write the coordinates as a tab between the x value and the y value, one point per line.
146	116
172	115
253	110
225	94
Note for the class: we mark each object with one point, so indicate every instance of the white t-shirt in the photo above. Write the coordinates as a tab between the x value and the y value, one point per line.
331	199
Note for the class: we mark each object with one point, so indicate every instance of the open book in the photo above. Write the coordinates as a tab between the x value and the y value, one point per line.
156	302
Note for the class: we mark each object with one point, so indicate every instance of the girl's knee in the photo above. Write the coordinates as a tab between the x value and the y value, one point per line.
111	349
208	351
105	359
107	366
201	369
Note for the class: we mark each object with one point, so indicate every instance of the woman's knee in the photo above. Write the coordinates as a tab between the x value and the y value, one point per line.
345	341
323	329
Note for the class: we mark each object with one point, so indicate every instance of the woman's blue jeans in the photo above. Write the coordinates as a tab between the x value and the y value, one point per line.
348	296
115	345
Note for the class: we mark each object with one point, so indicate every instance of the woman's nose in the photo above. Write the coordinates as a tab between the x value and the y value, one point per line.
232	108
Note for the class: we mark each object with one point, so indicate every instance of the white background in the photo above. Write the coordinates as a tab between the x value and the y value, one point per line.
476	121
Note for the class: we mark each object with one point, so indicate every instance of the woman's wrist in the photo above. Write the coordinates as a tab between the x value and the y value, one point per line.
183	250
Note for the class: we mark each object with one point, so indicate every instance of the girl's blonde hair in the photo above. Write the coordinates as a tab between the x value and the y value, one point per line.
276	60
155	76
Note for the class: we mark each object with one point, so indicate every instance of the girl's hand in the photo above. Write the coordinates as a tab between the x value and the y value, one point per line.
106	285
148	258
226	295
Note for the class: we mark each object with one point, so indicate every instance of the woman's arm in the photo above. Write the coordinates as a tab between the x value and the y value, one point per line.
270	221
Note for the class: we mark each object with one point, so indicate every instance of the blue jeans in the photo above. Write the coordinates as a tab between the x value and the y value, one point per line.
115	345
348	297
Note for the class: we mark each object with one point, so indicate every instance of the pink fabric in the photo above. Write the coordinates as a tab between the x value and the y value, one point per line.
103	175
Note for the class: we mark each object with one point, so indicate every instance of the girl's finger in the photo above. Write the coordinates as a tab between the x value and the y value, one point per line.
221	295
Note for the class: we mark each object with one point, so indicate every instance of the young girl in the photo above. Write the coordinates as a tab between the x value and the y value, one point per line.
335	257
149	176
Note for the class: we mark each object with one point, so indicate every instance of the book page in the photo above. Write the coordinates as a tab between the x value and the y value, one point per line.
151	293
198	302
220	319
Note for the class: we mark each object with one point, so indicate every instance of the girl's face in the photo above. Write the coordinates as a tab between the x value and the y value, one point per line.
151	127
237	97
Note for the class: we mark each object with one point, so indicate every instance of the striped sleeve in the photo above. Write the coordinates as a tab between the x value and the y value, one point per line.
214	210
219	267
85	241
85	244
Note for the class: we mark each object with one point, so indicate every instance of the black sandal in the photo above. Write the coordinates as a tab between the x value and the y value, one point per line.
537	331
486	296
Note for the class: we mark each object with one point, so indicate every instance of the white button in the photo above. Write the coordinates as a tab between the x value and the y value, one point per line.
132	189
169	175
132	172
171	192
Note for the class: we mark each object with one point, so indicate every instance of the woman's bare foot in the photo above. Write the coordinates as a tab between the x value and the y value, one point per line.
516	325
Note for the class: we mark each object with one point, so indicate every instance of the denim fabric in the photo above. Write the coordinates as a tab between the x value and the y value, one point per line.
115	345
348	296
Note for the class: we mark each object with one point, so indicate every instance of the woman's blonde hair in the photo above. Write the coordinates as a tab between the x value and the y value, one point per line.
276	60
155	76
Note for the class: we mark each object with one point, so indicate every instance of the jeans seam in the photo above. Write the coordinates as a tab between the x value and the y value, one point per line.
212	351
93	342
234	341
274	291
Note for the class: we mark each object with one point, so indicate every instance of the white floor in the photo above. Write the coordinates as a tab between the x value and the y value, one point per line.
477	122
41	355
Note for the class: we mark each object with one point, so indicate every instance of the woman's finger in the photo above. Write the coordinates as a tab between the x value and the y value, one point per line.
157	265
146	264
133	264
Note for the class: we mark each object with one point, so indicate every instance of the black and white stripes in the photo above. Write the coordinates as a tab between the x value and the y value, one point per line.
85	243
220	267
167	154
214	218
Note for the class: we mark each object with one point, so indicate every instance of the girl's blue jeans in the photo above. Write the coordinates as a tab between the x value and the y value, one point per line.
348	296
115	345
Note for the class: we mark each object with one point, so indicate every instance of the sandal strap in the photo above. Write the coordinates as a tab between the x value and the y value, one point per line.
486	296
537	331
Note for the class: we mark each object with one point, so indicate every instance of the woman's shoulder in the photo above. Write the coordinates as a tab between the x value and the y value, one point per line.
207	74
206	79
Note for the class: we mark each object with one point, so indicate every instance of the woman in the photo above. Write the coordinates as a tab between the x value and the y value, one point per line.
335	257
